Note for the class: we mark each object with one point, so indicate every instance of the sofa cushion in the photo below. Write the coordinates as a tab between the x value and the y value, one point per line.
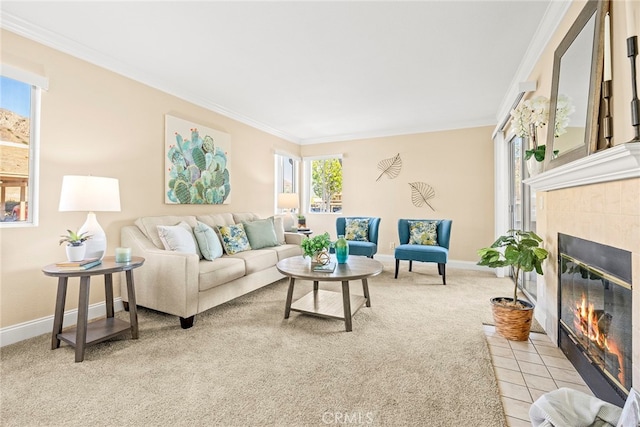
178	238
244	217
219	272
257	260
234	239
287	251
216	220
148	225
261	233
357	229
208	241
423	233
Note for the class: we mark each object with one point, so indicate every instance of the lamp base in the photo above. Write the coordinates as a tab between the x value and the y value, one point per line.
97	244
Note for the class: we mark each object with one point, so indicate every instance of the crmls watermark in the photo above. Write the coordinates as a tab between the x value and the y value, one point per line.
348	418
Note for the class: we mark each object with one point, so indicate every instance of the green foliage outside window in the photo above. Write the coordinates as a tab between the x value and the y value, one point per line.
326	182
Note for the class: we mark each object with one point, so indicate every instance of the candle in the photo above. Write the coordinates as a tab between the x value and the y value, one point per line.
123	254
630	15
607	47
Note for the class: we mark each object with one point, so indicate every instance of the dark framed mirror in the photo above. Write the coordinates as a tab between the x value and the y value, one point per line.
574	104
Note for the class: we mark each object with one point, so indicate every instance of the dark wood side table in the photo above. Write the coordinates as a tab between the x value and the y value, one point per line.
85	334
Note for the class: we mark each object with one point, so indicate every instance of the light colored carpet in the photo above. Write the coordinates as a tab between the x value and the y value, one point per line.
417	357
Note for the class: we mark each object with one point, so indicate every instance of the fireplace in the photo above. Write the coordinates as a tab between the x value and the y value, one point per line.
594	311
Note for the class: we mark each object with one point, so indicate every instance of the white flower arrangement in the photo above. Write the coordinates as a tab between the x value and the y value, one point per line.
536	112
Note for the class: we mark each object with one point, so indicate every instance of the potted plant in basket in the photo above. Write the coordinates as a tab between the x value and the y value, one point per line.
520	250
317	248
75	244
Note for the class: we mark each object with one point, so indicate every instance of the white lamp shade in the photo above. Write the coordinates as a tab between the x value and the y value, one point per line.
89	194
288	201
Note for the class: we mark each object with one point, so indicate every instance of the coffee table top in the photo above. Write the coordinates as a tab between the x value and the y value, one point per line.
357	267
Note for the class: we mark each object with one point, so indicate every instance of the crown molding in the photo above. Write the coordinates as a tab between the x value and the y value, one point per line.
56	41
613	164
548	26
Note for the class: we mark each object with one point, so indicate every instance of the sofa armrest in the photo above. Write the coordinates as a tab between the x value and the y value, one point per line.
293	238
168	281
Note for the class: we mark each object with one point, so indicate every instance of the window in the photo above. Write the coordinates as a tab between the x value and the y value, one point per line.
19	117
324	176
287	168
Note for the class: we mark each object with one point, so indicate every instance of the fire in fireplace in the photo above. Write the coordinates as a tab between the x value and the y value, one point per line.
595	314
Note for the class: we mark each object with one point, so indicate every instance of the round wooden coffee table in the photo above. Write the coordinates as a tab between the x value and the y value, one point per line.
326	303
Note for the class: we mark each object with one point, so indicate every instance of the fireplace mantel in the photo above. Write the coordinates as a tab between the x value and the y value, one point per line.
613	164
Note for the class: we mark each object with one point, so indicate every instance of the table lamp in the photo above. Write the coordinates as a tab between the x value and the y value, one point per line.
90	194
289	201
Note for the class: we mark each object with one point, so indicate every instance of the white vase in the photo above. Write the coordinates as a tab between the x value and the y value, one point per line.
76	253
534	167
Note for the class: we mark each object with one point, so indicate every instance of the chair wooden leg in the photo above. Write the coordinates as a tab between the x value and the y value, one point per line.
397	265
442	271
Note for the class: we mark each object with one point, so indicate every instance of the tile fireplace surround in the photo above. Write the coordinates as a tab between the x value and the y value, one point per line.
596	198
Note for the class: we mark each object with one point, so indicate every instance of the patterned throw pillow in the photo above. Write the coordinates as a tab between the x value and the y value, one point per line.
423	233
234	239
357	229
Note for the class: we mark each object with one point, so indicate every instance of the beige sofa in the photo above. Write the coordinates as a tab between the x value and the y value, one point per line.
184	285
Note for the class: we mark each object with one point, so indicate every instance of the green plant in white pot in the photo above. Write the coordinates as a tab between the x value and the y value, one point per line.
76	248
520	250
317	248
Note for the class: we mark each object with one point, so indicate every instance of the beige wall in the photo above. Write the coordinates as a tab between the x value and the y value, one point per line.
100	123
458	164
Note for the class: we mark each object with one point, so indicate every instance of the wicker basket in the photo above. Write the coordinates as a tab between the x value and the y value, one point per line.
511	322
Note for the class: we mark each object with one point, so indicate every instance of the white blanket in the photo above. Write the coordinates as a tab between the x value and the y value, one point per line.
570	408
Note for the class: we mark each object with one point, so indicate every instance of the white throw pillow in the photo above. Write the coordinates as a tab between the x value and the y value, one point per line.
178	238
208	241
278	226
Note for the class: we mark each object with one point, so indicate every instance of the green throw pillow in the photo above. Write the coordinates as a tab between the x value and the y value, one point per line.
423	233
357	229
261	233
208	241
234	238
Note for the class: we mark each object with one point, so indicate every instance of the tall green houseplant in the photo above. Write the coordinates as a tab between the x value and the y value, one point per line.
518	249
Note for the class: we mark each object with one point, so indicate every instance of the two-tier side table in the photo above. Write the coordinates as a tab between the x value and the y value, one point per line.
86	334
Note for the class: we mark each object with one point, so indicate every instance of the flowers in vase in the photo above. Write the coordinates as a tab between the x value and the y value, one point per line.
534	113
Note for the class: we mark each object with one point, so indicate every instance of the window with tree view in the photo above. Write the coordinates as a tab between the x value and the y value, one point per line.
325	178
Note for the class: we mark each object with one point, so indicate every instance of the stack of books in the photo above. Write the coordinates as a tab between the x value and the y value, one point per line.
85	264
327	268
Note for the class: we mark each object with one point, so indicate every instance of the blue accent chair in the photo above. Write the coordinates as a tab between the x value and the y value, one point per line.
424	253
357	247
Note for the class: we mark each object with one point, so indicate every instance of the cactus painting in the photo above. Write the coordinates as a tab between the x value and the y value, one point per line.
197	164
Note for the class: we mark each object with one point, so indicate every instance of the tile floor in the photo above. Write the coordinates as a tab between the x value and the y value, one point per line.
525	370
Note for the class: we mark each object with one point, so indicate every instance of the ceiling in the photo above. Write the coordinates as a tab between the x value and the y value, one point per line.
306	71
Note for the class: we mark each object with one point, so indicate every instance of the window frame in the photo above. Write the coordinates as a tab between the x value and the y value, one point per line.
279	158
306	161
37	84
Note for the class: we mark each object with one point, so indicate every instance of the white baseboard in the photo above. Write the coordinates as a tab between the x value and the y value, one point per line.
44	325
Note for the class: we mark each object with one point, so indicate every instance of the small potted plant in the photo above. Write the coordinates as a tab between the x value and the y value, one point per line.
75	244
302	221
317	248
520	250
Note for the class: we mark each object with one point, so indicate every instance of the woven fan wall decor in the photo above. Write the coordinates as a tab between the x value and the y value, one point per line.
421	192
390	167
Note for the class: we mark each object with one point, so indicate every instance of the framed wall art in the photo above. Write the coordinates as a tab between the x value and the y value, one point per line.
197	164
